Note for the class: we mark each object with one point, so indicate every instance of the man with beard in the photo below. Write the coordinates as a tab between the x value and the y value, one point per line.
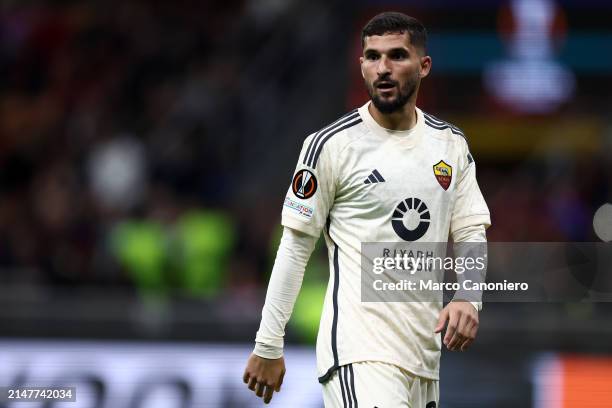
385	172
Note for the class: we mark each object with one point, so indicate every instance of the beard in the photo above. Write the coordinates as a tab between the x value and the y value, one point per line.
405	92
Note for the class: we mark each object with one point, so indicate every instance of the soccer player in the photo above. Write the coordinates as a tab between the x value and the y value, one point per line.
384	161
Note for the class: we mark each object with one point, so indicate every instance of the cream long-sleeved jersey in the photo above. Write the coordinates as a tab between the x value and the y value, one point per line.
357	182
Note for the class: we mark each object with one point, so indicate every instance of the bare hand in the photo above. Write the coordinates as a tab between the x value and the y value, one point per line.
462	325
264	376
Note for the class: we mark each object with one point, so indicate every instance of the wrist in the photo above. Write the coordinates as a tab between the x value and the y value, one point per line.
477	305
267	351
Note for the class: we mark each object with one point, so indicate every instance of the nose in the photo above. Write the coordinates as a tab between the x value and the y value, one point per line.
383	67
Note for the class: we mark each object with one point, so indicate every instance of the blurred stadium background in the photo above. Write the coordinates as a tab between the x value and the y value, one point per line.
145	149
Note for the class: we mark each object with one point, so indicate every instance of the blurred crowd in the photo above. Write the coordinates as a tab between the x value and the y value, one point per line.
125	122
151	143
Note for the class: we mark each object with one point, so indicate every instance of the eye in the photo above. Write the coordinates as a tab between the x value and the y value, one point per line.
398	55
371	56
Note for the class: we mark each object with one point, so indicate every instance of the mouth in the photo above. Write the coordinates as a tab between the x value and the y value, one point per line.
384	85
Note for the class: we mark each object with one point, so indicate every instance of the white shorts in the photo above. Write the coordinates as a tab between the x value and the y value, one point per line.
371	384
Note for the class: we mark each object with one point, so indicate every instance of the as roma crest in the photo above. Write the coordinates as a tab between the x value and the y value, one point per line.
443	173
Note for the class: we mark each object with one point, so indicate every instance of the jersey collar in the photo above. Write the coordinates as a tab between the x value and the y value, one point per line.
375	128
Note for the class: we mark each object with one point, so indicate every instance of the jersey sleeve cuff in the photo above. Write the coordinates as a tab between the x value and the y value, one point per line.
267	351
477	305
288	221
477	219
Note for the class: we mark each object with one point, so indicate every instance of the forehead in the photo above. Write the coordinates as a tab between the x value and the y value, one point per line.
387	41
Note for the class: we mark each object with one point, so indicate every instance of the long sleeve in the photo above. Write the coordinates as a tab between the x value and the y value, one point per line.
471	242
285	282
470	219
472	233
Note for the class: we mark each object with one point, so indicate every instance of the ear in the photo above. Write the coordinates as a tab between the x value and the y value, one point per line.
425	66
361	59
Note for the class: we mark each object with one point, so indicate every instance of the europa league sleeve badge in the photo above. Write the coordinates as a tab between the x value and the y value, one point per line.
304	184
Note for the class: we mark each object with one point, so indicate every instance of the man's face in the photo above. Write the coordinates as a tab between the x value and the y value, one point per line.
392	69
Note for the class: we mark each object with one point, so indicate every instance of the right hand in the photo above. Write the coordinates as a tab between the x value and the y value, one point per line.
264	376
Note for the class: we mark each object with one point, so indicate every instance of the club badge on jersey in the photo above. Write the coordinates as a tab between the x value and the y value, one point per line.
443	173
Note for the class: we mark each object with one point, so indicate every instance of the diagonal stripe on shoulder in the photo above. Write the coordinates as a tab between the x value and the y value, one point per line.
435	125
322	135
457	131
324	139
439	124
434	119
311	145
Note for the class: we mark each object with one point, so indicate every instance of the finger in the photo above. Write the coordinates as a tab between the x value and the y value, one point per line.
459	336
455	341
280	381
252	383
474	330
466	344
267	396
467	338
246	376
451	328
441	320
259	389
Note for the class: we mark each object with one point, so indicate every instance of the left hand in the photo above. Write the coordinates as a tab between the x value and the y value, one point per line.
264	376
462	326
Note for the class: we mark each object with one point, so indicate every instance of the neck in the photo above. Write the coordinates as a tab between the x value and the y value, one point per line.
403	119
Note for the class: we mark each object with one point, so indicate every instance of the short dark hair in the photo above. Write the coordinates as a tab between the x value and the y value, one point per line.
394	22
